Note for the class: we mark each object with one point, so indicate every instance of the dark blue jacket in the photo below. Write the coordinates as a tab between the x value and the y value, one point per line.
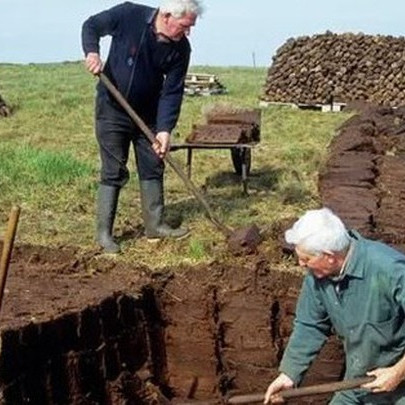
149	73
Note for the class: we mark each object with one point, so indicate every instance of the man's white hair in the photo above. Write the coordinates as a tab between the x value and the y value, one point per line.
319	231
177	8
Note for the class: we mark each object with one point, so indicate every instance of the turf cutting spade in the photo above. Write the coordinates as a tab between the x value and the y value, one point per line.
304	391
246	238
286	394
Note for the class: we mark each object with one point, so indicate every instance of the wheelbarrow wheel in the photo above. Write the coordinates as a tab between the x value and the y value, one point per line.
237	159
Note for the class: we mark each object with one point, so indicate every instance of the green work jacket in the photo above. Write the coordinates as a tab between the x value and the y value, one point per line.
365	309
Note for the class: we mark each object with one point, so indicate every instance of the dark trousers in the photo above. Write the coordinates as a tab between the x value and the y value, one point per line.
115	131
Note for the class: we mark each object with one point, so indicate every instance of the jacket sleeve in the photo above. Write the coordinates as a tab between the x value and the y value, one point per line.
397	286
172	94
311	328
100	25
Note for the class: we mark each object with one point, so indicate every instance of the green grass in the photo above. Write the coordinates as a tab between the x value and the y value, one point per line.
24	166
49	165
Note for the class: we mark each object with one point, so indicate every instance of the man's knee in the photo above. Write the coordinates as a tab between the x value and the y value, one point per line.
344	398
116	179
151	169
150	166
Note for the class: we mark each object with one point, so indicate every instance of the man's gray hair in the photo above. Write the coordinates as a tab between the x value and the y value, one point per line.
177	8
319	231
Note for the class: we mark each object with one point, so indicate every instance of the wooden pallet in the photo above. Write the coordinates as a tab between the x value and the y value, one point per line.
203	84
201	77
333	107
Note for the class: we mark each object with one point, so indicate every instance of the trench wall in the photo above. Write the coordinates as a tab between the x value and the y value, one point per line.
87	357
228	335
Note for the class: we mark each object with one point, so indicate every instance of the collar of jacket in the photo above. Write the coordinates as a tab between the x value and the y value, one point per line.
355	265
152	16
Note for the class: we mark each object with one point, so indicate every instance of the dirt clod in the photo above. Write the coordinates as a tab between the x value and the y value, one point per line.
244	241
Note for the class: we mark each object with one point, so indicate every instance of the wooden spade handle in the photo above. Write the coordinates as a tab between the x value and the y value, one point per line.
8	242
303	391
326	388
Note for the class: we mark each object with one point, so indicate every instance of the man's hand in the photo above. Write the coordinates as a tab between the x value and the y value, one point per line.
387	379
282	382
93	63
162	144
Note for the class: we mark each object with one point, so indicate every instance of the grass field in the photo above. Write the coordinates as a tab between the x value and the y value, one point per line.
49	165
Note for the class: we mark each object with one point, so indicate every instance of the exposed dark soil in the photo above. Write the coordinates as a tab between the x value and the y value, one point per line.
83	330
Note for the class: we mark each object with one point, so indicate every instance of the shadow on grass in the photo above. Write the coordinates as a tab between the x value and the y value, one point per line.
130	232
224	194
265	179
223	197
136	230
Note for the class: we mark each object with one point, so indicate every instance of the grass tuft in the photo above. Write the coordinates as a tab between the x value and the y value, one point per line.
196	250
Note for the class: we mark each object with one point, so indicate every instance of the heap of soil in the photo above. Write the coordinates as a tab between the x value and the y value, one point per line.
329	67
363	180
227	125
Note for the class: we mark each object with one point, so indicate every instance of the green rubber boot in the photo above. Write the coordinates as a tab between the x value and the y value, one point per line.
107	201
153	211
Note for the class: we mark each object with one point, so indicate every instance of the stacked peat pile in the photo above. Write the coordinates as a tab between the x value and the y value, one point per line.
363	180
338	68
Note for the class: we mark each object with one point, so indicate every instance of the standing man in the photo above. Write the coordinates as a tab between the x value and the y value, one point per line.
147	62
356	286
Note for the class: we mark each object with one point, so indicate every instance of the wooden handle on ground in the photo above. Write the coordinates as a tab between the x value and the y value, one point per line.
8	242
303	391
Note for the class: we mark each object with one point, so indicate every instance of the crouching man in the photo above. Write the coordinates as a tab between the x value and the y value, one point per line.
357	287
